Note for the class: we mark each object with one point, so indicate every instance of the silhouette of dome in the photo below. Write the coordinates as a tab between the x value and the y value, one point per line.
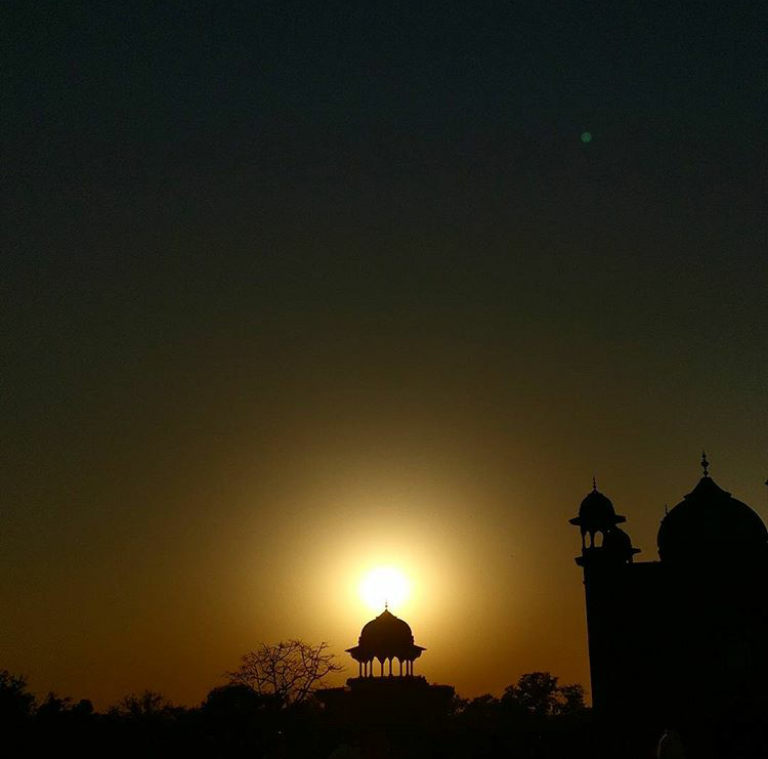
711	521
386	632
388	693
386	637
597	508
596	514
619	545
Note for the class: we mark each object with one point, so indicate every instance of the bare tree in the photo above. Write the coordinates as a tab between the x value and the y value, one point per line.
146	704
290	670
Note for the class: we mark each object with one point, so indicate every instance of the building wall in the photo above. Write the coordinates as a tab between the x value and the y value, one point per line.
679	647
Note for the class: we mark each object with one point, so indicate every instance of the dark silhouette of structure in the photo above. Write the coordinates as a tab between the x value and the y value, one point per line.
680	643
387	698
385	638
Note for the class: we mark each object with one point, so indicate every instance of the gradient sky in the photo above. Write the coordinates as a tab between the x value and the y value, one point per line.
290	290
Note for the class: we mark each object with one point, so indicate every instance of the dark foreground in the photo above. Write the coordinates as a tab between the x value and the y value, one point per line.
235	721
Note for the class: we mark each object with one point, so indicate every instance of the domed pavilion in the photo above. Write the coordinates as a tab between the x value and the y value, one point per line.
386	639
596	517
391	696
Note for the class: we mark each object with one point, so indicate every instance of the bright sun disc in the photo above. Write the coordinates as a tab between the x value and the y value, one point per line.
384	585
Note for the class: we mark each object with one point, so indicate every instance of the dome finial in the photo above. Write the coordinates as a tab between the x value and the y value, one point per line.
594	484
704	463
386	605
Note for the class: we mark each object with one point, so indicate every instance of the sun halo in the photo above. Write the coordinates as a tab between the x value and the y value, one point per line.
384	586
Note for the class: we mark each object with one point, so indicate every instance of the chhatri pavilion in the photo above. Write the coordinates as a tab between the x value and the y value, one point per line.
386	639
389	694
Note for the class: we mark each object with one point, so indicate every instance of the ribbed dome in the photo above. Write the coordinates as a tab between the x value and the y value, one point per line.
709	521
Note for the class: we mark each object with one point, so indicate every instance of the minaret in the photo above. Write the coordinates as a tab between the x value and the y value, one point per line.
606	553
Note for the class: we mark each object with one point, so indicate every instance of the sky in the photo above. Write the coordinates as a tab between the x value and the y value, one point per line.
290	291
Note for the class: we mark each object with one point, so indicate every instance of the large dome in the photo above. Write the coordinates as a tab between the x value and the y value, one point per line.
710	522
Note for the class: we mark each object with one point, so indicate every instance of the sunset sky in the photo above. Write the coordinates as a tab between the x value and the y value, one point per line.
291	291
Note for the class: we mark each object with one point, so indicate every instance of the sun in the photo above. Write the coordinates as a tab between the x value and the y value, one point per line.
384	585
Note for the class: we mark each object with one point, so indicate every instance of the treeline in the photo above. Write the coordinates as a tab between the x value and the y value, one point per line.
534	719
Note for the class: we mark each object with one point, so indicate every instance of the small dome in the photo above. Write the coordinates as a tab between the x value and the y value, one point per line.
386	637
617	538
597	507
710	521
619	544
596	513
386	632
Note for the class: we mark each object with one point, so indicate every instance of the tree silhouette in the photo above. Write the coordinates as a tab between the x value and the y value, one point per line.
147	704
15	701
538	694
570	699
288	671
53	706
